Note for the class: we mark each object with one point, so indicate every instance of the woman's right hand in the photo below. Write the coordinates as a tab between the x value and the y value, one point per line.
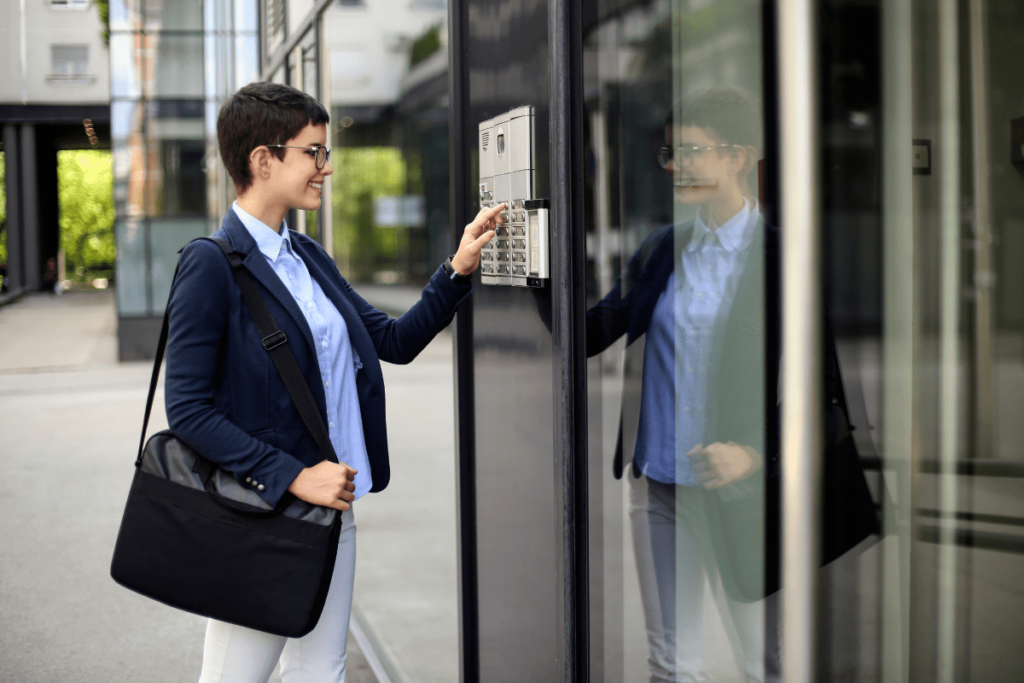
327	483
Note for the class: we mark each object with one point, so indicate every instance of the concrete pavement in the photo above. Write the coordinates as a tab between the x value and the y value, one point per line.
69	426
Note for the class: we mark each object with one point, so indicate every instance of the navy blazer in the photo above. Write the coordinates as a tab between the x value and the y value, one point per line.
223	394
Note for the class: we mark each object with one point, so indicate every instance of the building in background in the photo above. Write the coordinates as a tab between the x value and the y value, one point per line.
174	62
55	95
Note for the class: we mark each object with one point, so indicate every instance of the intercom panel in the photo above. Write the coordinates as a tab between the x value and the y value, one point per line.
518	254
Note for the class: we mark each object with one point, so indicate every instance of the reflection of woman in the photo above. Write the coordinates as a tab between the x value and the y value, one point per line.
705	450
224	396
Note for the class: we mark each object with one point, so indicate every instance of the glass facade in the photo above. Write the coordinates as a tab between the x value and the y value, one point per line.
921	357
174	63
672	303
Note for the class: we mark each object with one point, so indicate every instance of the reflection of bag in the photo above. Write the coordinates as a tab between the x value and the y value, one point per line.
194	538
745	524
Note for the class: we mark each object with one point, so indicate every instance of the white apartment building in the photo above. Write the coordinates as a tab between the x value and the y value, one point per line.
54	94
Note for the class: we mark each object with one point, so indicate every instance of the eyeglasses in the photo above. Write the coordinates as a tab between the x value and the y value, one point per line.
320	154
685	154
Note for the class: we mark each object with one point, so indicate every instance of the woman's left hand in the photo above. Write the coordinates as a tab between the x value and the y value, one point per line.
477	234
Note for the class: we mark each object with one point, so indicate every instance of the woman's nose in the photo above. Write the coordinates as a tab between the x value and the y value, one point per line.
328	169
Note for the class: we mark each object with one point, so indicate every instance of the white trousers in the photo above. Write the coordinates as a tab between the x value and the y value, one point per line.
235	654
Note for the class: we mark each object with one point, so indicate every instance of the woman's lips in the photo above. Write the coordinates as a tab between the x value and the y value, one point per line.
696	183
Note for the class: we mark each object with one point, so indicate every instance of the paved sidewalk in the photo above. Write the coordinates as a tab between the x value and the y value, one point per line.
69	421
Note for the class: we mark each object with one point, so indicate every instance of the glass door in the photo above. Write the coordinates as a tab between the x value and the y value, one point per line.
683	341
920	179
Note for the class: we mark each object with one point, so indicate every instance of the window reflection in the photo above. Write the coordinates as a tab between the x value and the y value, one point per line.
687	325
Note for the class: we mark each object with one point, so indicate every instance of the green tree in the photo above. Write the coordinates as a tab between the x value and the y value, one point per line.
85	184
362	174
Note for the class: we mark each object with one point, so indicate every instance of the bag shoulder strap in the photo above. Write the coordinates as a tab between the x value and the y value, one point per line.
274	341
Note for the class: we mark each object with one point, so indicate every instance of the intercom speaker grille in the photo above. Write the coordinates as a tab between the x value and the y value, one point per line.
485	138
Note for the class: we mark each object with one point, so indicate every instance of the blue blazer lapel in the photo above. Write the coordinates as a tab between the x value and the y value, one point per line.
256	263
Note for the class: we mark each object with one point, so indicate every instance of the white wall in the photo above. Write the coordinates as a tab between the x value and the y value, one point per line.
45	26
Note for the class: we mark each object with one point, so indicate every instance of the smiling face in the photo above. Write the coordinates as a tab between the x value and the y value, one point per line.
294	181
709	175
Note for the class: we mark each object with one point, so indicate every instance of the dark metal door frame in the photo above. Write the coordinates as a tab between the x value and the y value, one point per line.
568	318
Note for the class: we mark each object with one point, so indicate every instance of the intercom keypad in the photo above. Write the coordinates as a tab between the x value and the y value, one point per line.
507	175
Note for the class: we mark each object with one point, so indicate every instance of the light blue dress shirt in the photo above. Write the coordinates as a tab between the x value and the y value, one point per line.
678	351
337	360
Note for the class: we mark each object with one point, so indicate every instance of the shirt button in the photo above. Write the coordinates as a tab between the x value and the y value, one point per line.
327	383
309	304
330	424
323	343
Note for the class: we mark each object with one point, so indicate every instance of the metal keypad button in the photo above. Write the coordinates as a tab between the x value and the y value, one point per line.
502	244
519	257
503	256
519	270
503	270
519	244
487	256
518	230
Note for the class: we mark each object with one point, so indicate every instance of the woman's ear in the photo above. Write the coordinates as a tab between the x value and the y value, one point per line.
745	158
259	162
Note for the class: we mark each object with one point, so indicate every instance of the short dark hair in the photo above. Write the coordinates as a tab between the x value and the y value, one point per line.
262	114
731	114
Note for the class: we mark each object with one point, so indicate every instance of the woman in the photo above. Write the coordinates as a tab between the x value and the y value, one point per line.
223	394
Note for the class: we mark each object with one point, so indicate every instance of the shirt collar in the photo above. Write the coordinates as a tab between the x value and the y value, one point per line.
267	239
735	234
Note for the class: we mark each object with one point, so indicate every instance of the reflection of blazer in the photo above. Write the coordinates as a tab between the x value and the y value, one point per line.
224	396
743	394
741	405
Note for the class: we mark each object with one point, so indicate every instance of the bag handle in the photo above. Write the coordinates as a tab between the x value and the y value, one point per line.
274	341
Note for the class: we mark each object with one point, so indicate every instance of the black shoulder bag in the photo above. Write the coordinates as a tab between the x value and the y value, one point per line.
194	538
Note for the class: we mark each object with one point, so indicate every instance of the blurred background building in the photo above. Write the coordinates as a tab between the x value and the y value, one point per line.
380	68
54	101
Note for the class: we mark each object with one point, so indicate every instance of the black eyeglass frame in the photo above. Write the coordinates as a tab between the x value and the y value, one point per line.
668	155
314	151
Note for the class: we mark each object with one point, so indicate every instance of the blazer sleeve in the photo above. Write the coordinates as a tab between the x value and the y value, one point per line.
400	340
196	362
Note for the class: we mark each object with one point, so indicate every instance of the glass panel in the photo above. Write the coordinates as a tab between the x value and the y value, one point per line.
684	449
179	63
247	17
177	151
128	62
131	268
247	67
125	15
967	496
174	15
166	238
125	119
